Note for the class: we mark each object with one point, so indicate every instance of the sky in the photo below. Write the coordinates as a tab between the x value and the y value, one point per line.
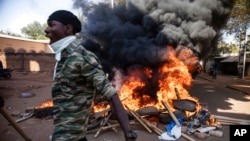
16	14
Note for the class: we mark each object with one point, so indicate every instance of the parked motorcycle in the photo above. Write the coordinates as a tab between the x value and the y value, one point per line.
6	73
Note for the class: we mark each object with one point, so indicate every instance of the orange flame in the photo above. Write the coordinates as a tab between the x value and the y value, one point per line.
46	104
143	87
171	75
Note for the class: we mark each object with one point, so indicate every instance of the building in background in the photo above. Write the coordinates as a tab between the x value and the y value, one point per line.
23	54
11	44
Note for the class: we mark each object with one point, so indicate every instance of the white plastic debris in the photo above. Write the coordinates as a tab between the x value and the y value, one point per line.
174	134
206	129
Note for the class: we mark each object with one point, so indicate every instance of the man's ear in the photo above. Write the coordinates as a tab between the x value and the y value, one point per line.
69	29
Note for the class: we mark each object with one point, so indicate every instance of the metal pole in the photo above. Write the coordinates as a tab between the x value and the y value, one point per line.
112	3
244	61
244	57
239	64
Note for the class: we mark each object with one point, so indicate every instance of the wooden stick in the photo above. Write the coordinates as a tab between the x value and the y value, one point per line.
176	121
138	119
228	120
15	125
108	127
177	93
104	121
171	114
24	118
154	128
147	123
114	129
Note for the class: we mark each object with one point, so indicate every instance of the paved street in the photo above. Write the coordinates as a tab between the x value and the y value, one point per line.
226	96
229	81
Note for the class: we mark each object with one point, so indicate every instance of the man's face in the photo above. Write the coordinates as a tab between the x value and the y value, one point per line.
56	31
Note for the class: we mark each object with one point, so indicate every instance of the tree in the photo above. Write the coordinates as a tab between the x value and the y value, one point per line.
35	30
248	45
120	2
239	20
225	48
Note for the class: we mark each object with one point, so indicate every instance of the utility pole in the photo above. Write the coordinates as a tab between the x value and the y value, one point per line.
242	55
245	54
112	3
244	61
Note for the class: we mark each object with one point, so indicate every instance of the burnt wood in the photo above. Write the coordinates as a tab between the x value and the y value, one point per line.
43	112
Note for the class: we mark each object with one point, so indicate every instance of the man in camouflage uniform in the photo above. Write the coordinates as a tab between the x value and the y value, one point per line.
77	76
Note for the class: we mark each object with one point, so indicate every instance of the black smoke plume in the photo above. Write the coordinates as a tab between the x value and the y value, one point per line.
139	32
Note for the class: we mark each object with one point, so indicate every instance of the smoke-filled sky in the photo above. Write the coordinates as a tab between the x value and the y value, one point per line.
139	32
17	14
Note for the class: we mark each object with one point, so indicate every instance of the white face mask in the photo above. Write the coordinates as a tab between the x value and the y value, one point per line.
60	45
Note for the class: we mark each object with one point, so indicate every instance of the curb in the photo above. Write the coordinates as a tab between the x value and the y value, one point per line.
204	78
228	86
232	87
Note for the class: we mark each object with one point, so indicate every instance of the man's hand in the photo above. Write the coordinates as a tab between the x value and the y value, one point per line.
122	117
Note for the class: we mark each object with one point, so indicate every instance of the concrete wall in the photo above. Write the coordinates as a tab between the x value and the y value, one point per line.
23	54
43	62
11	44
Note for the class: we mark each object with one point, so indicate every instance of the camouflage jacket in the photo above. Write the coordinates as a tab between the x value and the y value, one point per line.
78	76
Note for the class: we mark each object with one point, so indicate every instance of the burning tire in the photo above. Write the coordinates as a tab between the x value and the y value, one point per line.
185	105
165	118
148	111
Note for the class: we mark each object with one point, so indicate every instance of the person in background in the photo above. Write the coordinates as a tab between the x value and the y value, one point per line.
78	77
214	70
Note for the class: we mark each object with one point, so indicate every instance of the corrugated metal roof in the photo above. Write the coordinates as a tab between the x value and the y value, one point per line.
232	59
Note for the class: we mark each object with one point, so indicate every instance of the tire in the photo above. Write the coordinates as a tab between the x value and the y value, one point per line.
148	111
185	105
94	125
165	118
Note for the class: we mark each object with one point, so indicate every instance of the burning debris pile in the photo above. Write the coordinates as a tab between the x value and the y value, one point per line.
44	110
201	125
151	47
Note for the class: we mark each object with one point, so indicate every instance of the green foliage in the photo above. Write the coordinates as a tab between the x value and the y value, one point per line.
35	30
225	48
240	18
247	45
120	2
